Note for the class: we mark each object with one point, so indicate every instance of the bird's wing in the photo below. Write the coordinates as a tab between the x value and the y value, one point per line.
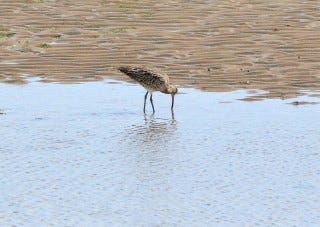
147	77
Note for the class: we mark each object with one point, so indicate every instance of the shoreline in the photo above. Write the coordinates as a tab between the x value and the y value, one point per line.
264	46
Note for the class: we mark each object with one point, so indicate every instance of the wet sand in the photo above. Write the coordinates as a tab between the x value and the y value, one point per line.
213	46
85	155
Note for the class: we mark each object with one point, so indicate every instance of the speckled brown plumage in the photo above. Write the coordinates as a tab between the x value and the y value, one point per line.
150	80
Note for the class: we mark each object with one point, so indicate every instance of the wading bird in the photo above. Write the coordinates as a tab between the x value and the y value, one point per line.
152	81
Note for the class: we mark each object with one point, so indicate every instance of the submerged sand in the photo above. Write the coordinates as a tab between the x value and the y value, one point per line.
210	45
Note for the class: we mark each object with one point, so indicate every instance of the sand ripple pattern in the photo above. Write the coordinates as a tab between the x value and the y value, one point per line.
210	45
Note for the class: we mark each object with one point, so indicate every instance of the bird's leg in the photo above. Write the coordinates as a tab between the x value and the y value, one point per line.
152	102
145	99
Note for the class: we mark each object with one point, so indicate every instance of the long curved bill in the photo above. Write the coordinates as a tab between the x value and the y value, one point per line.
172	95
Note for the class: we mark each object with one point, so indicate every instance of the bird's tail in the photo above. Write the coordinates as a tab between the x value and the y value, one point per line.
123	69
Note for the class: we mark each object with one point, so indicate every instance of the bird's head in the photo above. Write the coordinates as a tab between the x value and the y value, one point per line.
172	90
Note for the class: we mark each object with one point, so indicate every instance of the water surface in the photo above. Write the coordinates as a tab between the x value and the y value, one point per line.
86	155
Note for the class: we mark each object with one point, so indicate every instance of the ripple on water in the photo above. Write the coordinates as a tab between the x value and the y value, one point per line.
88	155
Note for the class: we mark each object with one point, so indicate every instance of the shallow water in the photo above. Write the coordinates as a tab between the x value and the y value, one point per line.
86	155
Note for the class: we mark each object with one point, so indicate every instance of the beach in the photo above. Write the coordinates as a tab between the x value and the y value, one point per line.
212	46
241	147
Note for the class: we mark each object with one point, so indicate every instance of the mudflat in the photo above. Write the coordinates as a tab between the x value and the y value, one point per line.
210	45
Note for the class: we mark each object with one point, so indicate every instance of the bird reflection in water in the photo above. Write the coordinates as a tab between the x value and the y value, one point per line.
153	132
152	157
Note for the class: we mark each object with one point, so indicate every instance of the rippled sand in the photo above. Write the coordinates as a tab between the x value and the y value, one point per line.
210	45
